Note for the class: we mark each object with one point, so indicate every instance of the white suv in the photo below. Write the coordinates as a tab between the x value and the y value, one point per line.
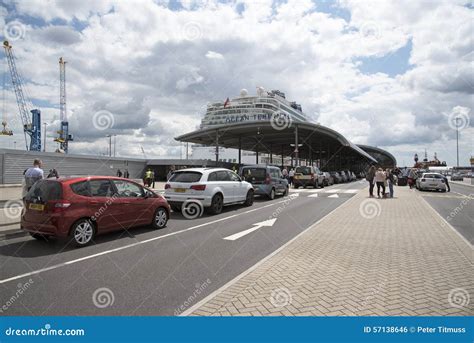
211	188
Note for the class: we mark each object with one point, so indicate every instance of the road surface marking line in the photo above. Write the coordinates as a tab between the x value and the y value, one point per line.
350	191
333	196
313	195
63	264
256	265
315	190
333	191
257	226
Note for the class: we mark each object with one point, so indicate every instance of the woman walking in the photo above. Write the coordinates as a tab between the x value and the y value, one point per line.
380	181
391	180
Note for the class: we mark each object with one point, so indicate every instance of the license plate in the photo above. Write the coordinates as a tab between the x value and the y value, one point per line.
37	207
180	190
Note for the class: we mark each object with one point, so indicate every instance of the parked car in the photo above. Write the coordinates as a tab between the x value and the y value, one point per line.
328	179
344	176
336	177
214	188
433	181
308	176
83	207
457	177
266	180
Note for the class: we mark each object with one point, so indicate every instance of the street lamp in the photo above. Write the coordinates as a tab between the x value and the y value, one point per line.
457	141
110	144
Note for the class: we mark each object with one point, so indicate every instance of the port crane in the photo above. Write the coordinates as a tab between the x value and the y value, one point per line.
31	124
64	136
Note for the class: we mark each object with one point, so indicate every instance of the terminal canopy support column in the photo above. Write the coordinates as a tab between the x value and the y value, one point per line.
240	150
296	146
271	154
217	146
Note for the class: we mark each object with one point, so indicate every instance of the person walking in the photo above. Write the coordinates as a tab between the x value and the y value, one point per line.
126	174
390	180
370	177
148	177
291	174
448	189
170	172
53	173
119	173
33	174
380	181
153	178
284	172
411	178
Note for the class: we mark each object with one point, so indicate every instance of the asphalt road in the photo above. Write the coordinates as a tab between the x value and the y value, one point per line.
457	207
147	272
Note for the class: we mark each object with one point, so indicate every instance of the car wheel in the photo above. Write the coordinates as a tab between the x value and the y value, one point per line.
271	196
249	198
82	232
176	208
217	203
160	218
39	236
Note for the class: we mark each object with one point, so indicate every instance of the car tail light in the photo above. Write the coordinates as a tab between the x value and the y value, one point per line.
167	186
61	206
423	180
198	187
267	179
312	176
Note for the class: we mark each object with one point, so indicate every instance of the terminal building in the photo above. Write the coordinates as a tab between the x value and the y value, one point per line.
262	129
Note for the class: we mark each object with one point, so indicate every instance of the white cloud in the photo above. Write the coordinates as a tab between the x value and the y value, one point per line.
214	55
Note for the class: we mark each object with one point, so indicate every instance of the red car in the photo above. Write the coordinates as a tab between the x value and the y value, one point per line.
82	207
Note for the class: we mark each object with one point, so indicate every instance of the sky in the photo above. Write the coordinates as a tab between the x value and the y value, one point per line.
391	74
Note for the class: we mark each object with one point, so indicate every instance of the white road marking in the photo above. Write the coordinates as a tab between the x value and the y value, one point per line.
350	191
333	191
59	265
333	196
257	226
313	195
315	190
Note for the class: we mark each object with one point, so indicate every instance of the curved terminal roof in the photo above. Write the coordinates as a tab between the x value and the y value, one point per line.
315	140
383	157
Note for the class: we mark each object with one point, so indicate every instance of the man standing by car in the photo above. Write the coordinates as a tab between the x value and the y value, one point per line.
370	177
448	189
33	174
291	174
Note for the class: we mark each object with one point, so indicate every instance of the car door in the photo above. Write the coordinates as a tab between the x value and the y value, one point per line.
224	182
239	188
104	208
277	180
133	203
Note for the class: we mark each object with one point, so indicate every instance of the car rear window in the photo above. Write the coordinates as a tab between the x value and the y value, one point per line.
81	188
303	170
45	190
255	174
186	177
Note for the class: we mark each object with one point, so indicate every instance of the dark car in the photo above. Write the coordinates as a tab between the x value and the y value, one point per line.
457	177
336	176
266	180
83	207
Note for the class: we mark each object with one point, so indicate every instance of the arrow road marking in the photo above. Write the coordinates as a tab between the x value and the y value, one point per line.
333	196
333	191
257	226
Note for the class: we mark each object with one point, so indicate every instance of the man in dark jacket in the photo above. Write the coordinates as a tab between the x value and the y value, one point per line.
370	177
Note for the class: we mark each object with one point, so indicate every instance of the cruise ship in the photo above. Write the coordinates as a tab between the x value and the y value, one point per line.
264	106
245	108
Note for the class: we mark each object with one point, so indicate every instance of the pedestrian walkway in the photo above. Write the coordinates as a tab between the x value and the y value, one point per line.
370	257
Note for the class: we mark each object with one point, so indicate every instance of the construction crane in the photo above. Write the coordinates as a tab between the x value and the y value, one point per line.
31	125
64	136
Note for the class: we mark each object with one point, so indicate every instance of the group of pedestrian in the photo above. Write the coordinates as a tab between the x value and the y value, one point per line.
125	173
289	175
381	178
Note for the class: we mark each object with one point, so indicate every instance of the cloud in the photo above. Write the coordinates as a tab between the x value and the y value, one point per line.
214	55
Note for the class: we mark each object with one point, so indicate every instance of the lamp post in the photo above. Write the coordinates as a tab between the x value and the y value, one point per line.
110	144
457	141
